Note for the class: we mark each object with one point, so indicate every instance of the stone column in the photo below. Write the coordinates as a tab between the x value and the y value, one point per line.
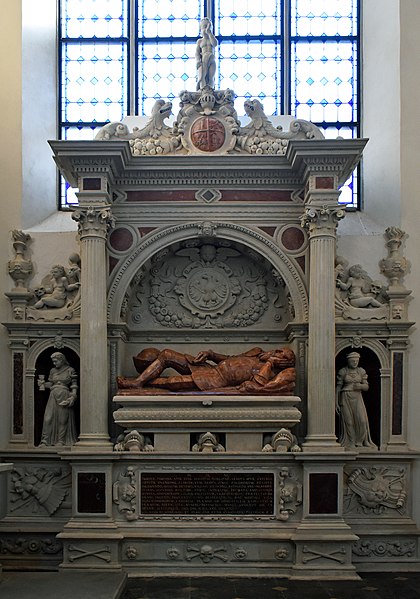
93	222
321	222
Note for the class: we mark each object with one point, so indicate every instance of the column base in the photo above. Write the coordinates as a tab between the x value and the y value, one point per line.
322	443
98	442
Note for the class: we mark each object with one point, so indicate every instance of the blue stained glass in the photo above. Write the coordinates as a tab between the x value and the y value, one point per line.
176	73
94	18
326	18
321	90
236	62
176	19
243	17
323	77
95	88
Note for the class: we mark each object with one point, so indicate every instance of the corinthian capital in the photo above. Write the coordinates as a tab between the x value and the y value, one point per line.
317	218
94	220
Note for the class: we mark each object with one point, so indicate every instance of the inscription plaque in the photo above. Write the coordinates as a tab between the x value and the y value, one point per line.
227	493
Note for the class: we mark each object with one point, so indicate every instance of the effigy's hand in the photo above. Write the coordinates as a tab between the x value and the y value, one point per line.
201	357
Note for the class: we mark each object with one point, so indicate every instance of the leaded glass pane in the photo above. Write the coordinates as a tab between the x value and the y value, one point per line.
348	195
166	70
247	17
94	82
323	82
326	18
94	18
252	69
169	18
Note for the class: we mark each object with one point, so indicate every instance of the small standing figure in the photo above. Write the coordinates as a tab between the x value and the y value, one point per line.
351	381
56	295
59	427
204	54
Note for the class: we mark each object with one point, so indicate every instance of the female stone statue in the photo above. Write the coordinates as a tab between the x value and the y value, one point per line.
59	427
351	381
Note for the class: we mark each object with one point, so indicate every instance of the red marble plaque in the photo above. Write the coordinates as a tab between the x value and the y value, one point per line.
121	239
293	238
208	134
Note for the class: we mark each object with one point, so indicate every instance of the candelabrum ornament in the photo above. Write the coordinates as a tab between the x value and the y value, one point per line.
20	268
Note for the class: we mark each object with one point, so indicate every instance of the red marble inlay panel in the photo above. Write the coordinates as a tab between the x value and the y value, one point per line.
302	262
255	195
178	195
292	238
121	239
324	182
208	134
112	263
145	230
268	230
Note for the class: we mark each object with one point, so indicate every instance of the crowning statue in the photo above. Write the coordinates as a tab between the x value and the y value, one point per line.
204	54
351	381
59	427
255	371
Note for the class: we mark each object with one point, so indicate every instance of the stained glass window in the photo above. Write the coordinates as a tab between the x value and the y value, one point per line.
298	57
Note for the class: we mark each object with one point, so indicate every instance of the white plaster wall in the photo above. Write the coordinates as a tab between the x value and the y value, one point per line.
410	202
39	109
10	178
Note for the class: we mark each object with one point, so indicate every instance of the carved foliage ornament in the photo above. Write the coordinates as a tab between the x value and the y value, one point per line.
385	548
93	220
325	217
209	285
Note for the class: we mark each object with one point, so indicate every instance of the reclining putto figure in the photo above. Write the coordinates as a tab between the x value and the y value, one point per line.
255	371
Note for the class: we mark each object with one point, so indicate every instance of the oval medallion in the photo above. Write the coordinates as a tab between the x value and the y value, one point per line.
208	134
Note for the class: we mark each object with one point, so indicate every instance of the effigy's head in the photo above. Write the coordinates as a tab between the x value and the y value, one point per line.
283	354
145	358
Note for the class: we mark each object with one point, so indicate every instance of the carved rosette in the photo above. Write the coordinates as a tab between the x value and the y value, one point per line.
94	221
318	219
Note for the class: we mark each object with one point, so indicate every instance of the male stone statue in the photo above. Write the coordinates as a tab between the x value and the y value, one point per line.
204	54
255	371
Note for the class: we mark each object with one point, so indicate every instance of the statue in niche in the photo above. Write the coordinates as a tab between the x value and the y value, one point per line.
59	426
351	381
204	54
253	372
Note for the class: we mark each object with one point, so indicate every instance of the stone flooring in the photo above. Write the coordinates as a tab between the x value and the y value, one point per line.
101	585
62	585
372	586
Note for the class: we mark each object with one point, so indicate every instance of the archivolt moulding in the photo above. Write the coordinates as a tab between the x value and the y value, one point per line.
42	345
252	238
373	344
